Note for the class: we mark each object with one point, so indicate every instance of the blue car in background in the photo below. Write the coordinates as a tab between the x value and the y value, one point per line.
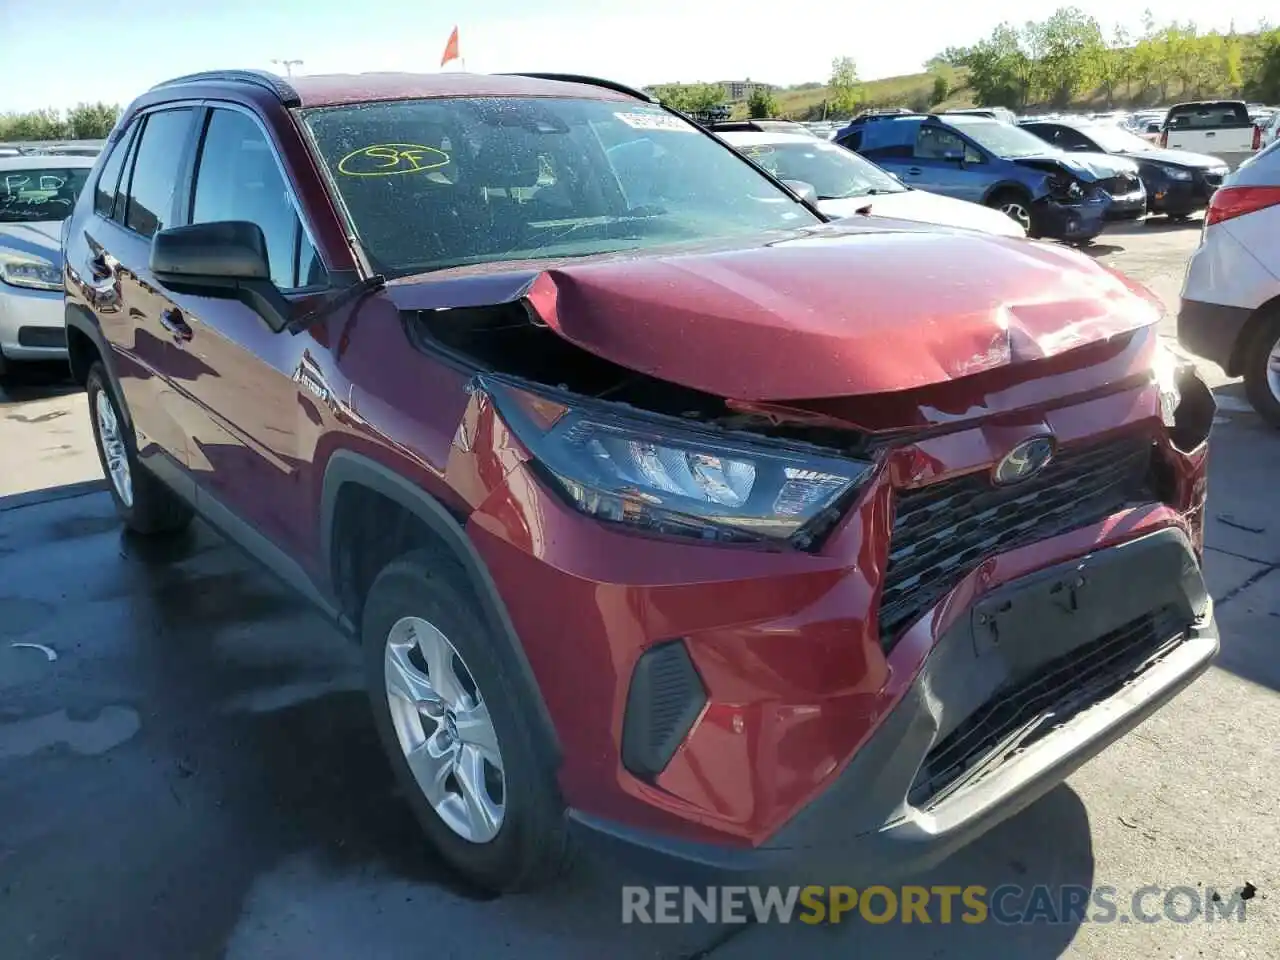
1052	193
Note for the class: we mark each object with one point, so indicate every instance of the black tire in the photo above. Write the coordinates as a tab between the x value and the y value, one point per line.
155	510
531	847
1003	198
1256	355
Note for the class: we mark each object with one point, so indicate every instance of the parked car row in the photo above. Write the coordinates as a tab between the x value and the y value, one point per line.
672	519
37	193
1046	190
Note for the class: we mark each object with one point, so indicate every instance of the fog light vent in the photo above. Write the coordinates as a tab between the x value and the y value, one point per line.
665	699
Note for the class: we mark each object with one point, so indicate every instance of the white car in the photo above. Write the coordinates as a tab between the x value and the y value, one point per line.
1230	311
1271	132
37	193
849	185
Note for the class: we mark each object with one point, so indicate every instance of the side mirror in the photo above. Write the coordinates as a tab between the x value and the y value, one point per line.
806	191
227	260
954	156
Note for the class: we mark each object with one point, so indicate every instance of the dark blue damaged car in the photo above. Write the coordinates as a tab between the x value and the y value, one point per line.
1052	193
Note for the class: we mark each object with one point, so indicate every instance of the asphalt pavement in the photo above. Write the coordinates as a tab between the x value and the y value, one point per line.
188	769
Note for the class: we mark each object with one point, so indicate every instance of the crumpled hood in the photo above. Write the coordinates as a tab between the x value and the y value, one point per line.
1180	158
1087	166
840	310
42	240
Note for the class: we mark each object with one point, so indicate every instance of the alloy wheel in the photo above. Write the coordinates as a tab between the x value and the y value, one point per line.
114	452
443	725
1273	370
1018	213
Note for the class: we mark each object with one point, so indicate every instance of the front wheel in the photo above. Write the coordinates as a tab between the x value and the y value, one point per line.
145	504
1014	206
1262	370
456	722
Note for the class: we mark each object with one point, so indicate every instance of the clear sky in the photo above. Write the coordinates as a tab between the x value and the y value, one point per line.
57	54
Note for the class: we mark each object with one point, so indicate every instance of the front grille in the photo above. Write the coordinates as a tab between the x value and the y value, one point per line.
1023	711
42	337
1119	186
943	530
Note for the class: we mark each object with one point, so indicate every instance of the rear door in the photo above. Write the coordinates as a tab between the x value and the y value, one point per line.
134	197
944	162
252	396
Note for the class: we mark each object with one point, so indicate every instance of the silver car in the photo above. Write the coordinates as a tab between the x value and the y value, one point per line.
36	194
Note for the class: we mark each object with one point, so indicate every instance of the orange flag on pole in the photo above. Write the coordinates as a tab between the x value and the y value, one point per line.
450	48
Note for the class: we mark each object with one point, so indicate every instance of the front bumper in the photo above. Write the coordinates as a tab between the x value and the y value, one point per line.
1069	221
32	324
908	798
1181	198
1128	206
1212	330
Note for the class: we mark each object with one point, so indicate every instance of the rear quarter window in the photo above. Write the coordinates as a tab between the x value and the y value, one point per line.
1209	116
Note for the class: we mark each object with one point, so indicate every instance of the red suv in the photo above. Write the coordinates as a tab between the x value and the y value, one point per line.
667	514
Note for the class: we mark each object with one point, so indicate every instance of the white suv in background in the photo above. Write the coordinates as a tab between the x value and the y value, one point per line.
1230	310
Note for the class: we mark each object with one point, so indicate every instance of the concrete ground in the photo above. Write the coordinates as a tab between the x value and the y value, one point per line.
187	768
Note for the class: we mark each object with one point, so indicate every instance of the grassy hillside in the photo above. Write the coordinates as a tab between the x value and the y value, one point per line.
912	90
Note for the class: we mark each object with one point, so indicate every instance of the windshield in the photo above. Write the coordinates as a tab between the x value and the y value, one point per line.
1002	139
39	193
836	173
1113	139
436	183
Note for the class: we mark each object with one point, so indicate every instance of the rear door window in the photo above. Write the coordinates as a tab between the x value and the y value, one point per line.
238	178
104	195
155	170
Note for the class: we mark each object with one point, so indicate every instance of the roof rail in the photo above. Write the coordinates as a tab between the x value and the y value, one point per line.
278	86
589	81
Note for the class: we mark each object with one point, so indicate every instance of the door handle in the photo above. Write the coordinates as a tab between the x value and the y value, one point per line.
914	171
1210	133
172	320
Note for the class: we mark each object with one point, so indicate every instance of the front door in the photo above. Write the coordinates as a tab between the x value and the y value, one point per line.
249	419
943	162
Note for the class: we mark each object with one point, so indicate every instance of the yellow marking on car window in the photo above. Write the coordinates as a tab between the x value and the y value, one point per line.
392	159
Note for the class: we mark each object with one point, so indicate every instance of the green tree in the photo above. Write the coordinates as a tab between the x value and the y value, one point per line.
941	90
1069	48
93	121
846	92
761	103
691	98
1262	68
999	67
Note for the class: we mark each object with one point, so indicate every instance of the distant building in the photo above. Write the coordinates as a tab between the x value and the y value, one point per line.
743	89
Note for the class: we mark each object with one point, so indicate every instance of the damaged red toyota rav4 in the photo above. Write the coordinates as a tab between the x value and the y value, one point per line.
669	517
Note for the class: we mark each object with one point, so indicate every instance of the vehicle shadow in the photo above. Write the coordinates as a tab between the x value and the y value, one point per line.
37	381
1027	866
1241	527
256	776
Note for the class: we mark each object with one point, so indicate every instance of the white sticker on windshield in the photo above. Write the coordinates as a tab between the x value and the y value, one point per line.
655	121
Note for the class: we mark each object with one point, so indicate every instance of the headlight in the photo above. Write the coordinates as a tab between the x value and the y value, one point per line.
659	474
1164	372
35	274
1174	173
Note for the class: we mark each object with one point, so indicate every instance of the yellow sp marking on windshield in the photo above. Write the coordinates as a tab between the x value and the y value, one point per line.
392	159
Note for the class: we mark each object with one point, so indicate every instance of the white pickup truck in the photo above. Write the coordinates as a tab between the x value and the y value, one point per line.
1221	128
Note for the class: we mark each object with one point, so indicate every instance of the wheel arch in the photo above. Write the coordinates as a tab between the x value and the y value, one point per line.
1256	321
1009	187
350	474
87	344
